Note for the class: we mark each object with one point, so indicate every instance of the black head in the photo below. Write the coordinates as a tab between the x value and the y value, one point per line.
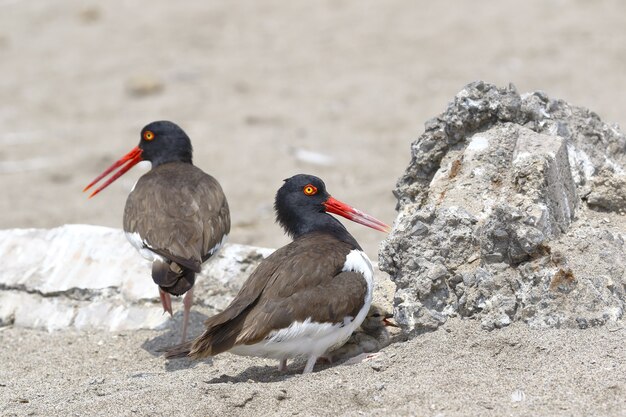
163	142
302	205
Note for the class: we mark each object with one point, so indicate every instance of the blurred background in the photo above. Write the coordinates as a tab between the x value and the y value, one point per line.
267	89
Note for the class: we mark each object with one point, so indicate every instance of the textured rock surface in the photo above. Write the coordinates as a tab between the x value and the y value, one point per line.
90	277
512	208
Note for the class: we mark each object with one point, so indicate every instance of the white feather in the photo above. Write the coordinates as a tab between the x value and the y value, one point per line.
142	247
146	252
219	245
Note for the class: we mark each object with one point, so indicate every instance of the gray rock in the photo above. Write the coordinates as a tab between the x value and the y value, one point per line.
494	215
608	191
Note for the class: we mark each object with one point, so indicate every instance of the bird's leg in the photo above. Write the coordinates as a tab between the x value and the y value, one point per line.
282	366
166	301
187	302
310	363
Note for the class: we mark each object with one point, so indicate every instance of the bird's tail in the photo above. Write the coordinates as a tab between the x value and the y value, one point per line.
172	278
202	347
195	349
179	351
220	335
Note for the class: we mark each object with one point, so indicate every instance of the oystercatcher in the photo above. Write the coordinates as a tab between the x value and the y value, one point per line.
176	215
307	297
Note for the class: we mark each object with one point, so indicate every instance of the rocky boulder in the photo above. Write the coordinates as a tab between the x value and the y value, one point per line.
512	208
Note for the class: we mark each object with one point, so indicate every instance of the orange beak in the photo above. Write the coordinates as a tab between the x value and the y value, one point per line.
126	162
388	322
337	207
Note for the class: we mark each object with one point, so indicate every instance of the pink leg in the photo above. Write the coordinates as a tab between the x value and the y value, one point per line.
187	302
310	363
166	301
282	366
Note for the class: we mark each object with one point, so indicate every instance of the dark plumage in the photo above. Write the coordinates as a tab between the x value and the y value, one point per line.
176	215
290	285
192	220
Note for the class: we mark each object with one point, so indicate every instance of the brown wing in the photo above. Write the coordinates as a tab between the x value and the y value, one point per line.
180	212
328	302
298	281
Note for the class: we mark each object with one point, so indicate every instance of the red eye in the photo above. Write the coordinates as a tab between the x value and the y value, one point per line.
148	135
309	189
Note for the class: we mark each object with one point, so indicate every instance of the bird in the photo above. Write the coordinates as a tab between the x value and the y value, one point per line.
308	296
370	337
176	215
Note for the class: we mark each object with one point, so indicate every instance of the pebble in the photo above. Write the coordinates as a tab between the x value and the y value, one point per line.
518	396
89	14
144	85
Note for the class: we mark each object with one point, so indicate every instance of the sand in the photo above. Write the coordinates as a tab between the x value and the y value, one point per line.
459	370
257	85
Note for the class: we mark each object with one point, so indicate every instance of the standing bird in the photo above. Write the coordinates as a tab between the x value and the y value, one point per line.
176	215
305	298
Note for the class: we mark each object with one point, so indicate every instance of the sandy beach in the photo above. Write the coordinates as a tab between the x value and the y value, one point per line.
459	370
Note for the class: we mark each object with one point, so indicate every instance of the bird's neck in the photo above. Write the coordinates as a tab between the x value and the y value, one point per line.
167	159
374	331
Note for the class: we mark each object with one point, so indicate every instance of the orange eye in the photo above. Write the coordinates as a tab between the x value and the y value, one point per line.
309	189
148	135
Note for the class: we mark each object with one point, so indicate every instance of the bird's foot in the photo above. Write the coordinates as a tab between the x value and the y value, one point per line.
166	302
370	356
175	268
363	357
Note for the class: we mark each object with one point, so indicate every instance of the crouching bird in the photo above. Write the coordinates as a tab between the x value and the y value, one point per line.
305	298
370	337
176	215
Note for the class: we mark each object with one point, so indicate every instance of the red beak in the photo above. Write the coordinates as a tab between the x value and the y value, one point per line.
126	162
337	207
